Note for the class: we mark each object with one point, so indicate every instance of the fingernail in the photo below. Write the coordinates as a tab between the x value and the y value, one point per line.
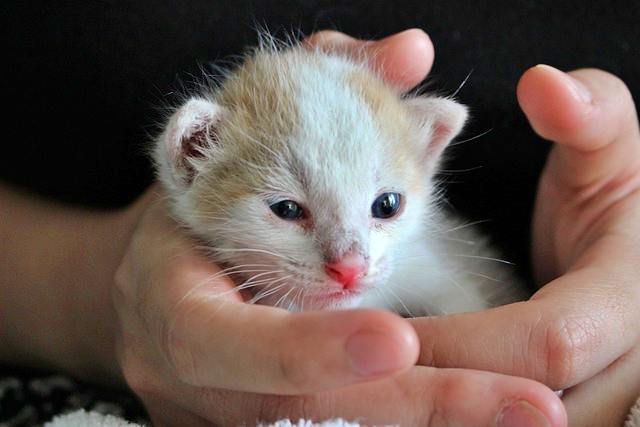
577	88
521	414
373	353
403	33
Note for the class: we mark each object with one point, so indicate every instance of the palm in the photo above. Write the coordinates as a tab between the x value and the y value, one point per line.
570	220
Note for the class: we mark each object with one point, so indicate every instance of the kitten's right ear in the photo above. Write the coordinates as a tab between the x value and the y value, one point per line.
189	136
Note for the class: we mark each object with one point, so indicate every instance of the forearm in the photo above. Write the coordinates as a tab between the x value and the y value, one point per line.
56	269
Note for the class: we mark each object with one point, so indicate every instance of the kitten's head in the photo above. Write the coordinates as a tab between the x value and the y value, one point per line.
305	173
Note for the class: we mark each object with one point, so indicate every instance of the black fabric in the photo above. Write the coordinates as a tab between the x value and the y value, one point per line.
83	82
30	398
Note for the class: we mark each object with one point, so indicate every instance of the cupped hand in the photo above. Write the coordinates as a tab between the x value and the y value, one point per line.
196	354
581	330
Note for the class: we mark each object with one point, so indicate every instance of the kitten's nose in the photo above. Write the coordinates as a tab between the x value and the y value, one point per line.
347	270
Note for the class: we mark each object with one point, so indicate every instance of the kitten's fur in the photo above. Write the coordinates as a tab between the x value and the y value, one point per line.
325	131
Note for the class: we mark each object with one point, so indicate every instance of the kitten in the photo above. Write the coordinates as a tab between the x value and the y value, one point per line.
311	180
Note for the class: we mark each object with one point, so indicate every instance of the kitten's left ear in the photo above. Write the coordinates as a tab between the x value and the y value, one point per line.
440	120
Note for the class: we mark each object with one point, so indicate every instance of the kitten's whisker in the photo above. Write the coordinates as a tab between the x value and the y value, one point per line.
503	261
493	279
263	294
467	242
404	306
239	270
263	251
480	135
303	296
209	280
291	300
283	298
456	171
463	83
384	296
253	284
465	225
268	290
246	285
266	273
469	296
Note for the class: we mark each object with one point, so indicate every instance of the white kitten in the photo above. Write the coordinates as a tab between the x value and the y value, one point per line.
311	180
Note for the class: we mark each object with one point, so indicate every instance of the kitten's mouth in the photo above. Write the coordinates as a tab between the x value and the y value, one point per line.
334	295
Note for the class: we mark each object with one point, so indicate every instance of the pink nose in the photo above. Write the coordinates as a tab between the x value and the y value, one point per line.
347	270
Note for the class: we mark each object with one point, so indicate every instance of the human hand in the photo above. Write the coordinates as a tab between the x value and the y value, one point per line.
580	331
196	353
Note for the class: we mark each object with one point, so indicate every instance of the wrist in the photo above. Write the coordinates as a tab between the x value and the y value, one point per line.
93	315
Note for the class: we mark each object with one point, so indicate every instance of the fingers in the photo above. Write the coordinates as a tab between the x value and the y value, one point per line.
404	58
178	302
419	397
581	322
590	114
216	343
606	399
212	341
572	329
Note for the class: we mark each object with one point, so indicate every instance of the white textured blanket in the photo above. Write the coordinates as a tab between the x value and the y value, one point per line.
93	419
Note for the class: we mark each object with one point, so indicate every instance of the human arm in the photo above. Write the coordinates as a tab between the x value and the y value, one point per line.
56	272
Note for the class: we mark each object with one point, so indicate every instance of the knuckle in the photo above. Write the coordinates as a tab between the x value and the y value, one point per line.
568	344
292	370
428	347
451	388
296	372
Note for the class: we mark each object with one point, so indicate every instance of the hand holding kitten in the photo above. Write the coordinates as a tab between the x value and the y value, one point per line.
195	357
580	331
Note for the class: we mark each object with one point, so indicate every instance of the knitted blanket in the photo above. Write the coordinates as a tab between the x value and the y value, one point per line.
28	398
93	419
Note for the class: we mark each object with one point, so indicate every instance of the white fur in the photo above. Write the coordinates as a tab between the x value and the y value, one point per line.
334	162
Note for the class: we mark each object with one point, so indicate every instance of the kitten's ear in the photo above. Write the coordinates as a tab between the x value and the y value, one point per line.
189	136
440	120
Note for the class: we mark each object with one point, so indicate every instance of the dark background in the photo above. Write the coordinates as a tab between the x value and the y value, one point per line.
82	83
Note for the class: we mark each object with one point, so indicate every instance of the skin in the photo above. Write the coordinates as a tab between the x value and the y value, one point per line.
205	357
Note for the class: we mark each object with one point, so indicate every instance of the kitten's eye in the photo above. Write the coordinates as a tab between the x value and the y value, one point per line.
386	205
287	209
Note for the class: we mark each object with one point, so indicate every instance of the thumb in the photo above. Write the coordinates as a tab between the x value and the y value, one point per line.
590	114
404	59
